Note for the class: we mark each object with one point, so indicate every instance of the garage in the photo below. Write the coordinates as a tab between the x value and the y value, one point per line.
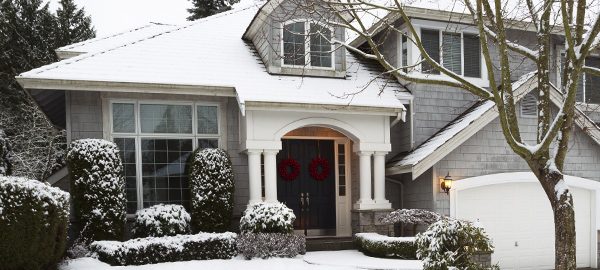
516	213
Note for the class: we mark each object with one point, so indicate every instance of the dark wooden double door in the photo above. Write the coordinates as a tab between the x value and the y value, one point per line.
313	201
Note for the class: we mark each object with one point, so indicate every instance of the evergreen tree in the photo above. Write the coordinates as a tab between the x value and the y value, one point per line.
73	25
205	8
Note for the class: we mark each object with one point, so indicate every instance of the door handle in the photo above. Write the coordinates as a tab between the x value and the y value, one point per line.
307	202
302	201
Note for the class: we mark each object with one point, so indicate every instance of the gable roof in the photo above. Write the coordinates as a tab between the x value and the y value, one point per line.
467	124
208	57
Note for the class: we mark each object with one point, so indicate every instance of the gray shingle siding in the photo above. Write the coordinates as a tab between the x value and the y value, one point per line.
86	115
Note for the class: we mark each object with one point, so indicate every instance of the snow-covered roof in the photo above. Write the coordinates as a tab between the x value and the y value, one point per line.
210	53
454	133
112	41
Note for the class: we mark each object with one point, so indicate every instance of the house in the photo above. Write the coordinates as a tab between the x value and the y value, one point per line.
321	131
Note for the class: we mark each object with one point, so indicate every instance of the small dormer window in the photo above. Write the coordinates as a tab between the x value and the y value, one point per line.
307	44
457	52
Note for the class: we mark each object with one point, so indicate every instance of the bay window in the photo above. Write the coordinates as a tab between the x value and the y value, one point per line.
156	140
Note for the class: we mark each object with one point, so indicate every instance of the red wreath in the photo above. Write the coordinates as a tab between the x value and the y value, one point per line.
283	169
314	164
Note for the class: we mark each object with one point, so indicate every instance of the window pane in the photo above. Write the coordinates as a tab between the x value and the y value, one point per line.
293	44
123	117
162	118
592	82
319	46
452	52
404	52
164	175
127	153
430	39
472	56
208	143
207	120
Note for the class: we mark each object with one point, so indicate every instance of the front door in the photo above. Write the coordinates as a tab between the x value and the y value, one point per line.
311	197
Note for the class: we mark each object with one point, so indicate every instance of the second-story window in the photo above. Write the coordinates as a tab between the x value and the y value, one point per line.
457	52
307	44
588	87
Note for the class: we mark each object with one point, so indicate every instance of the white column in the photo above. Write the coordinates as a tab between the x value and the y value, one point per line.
379	180
365	179
254	176
270	176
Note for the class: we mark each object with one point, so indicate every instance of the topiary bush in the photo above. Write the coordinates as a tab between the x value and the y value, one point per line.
450	244
268	218
161	220
376	245
5	156
211	187
267	245
97	188
202	246
33	223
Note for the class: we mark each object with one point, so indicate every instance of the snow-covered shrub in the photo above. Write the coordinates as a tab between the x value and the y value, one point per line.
5	157
98	188
33	223
377	245
202	246
415	217
161	220
450	244
211	187
266	245
268	218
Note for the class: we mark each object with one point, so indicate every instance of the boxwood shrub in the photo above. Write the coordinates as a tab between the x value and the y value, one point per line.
211	187
161	220
376	245
5	157
202	246
97	188
268	218
266	245
33	223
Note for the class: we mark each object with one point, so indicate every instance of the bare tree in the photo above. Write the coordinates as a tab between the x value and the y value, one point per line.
570	20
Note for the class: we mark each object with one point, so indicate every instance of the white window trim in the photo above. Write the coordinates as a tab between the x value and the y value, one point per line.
586	107
138	135
306	45
414	53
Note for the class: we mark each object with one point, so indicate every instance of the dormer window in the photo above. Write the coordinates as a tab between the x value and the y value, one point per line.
457	52
588	87
305	44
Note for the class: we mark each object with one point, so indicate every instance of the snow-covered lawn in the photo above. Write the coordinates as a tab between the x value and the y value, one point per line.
324	260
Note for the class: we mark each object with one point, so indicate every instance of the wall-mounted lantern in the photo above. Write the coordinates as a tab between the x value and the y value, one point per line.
447	183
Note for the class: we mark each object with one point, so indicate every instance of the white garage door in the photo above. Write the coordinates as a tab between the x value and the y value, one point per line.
518	218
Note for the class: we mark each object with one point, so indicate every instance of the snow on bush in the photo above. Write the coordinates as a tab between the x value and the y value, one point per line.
33	223
450	244
268	218
377	245
415	217
211	187
98	189
161	220
267	245
5	156
202	246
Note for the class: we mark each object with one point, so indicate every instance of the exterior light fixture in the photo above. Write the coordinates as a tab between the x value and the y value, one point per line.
447	183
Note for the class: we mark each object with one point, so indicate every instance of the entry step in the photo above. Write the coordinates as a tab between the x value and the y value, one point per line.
330	243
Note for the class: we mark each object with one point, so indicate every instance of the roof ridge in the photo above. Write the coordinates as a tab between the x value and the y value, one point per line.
94	53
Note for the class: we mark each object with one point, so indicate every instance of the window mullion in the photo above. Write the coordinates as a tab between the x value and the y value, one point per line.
462	55
307	44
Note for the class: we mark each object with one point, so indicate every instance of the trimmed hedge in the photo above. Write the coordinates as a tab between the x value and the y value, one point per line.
202	246
33	223
268	218
212	188
97	188
266	245
5	157
376	245
161	220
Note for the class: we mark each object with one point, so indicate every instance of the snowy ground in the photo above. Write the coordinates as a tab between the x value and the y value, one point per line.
324	260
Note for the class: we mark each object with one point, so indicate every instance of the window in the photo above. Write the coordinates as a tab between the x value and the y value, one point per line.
155	142
306	44
588	87
457	52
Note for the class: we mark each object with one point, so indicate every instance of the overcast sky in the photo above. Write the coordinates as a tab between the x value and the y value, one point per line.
111	16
